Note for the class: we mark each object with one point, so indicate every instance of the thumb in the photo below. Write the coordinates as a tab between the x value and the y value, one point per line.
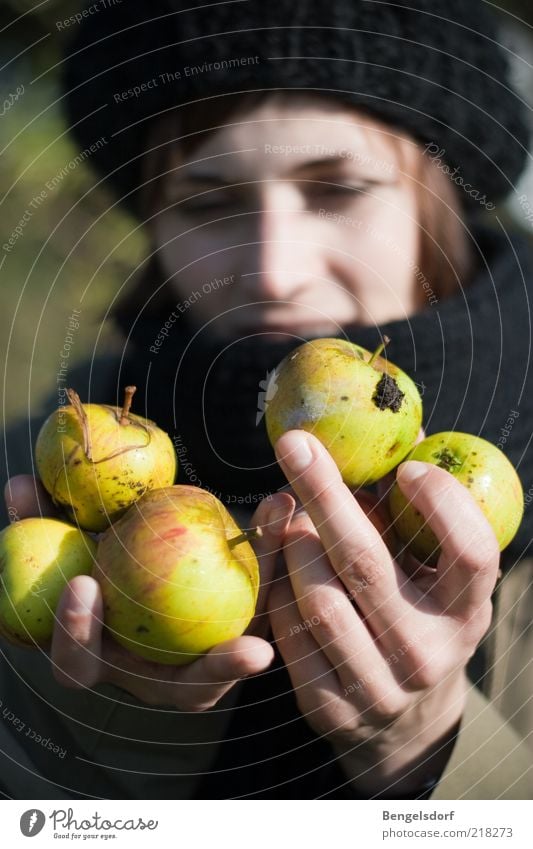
273	517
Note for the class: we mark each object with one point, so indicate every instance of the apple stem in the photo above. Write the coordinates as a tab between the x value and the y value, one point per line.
246	536
379	350
129	392
74	399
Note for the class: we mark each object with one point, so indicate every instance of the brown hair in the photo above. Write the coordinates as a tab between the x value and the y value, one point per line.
446	258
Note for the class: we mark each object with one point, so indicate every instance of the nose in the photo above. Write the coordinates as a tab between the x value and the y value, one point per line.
283	258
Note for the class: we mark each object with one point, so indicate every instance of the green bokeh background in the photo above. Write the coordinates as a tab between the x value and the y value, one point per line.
78	249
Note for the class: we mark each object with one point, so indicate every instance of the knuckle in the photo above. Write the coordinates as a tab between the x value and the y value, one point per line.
321	611
387	709
478	622
424	661
422	675
361	572
481	554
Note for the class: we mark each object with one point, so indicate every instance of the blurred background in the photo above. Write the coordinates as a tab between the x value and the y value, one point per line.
74	249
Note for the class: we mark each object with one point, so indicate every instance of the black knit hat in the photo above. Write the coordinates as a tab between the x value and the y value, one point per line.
431	67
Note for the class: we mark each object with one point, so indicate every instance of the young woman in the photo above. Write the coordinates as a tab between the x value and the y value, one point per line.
307	170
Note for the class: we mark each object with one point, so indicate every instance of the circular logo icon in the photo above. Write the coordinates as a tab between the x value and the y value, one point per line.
32	822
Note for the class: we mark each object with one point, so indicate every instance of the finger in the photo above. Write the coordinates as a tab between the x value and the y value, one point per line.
273	517
317	688
204	682
77	638
330	617
468	565
25	496
195	687
356	550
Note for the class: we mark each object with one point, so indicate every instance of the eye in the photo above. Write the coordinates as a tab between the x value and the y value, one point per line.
340	189
200	206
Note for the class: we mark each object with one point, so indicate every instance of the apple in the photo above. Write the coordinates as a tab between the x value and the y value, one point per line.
96	460
38	557
178	576
364	410
483	469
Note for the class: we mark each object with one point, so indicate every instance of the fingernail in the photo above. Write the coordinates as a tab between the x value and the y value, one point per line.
299	457
412	471
279	516
277	521
82	600
75	604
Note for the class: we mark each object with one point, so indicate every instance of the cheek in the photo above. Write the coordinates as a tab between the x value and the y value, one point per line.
386	251
192	261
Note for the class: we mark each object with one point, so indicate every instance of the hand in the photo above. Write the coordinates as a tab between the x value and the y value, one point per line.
84	655
377	656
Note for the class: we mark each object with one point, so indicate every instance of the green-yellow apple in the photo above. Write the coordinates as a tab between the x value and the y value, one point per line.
364	410
37	558
96	460
178	576
483	469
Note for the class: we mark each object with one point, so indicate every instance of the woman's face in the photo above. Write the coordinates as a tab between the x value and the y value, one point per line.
299	218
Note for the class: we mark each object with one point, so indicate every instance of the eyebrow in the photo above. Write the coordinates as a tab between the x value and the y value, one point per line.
305	167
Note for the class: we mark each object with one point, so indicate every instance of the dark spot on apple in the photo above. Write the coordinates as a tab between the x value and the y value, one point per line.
77	463
344	398
446	460
393	448
470	479
142	628
387	395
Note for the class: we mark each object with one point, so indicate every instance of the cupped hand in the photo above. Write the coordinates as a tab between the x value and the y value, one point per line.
83	654
377	656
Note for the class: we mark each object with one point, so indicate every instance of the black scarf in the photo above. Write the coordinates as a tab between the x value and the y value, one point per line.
468	353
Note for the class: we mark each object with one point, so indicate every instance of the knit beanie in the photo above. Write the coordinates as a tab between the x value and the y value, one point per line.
434	68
